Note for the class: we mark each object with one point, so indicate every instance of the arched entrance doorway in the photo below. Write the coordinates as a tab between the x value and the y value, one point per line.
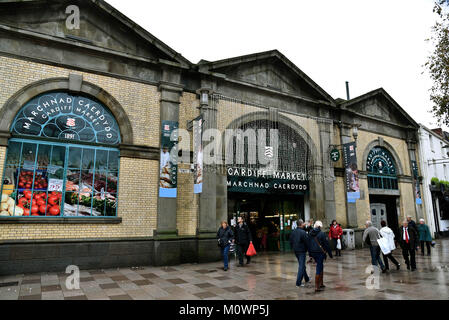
272	196
383	188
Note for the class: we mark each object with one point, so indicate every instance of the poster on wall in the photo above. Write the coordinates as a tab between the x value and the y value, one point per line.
198	154
416	183
351	171
168	170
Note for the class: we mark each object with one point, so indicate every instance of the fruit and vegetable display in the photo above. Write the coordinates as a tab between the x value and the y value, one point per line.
40	204
25	180
8	207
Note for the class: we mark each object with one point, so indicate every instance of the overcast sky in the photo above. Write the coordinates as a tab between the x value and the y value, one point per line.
371	44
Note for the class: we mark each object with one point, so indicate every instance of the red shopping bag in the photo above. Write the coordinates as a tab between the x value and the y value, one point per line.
251	251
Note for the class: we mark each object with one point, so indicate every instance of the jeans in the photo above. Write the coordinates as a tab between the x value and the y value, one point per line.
428	247
241	251
302	272
224	254
319	259
375	256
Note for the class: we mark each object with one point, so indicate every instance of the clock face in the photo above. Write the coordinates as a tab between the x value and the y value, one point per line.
380	161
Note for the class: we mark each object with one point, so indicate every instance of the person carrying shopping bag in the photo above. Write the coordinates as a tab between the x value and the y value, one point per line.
318	247
225	238
388	234
242	238
335	234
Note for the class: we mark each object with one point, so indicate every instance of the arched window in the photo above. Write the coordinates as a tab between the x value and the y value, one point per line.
62	159
381	168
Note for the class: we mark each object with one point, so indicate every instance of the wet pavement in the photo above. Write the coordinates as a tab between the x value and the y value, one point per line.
270	276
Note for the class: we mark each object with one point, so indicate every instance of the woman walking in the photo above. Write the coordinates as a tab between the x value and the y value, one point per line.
388	234
424	236
335	234
225	237
318	247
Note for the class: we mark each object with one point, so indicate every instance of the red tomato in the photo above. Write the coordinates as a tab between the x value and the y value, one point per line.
34	209
54	211
42	209
28	186
53	200
23	201
34	214
26	212
40	202
21	185
27	195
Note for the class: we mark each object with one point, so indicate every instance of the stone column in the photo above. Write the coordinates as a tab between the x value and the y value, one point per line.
351	208
325	127
411	146
171	91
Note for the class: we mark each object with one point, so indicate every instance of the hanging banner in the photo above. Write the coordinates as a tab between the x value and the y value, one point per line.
416	183
168	173
352	172
198	154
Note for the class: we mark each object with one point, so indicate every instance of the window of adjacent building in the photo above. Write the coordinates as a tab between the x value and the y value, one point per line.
381	169
62	159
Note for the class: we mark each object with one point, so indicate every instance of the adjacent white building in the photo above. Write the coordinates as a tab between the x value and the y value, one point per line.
434	159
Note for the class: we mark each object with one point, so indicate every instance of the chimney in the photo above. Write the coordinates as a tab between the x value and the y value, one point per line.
347	90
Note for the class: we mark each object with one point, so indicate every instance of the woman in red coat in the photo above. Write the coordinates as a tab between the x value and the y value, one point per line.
335	233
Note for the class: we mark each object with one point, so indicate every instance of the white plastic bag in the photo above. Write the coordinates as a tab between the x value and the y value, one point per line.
384	245
338	244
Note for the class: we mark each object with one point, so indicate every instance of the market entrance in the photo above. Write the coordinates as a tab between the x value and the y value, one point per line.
271	218
384	207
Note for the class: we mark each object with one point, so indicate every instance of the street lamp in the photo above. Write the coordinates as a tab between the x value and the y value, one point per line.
355	131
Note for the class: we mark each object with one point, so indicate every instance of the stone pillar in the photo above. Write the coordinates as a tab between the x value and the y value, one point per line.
325	128
171	91
351	208
411	146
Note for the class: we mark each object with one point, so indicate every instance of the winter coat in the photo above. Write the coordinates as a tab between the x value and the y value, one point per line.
298	240
312	244
388	234
242	234
335	232
412	236
372	234
225	236
424	232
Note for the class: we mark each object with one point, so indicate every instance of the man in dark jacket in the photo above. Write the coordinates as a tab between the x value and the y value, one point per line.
225	238
243	238
318	246
298	242
408	241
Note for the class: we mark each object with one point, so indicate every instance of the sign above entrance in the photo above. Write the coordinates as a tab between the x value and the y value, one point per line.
262	181
67	117
335	155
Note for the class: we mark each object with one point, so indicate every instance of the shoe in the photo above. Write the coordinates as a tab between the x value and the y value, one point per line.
301	285
317	283
225	269
247	262
428	254
413	269
384	270
240	265
408	267
322	286
398	267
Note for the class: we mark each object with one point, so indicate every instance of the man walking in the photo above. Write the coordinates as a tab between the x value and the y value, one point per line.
408	241
298	242
370	236
242	238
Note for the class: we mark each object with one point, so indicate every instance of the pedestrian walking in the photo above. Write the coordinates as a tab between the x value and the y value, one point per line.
309	228
424	236
370	236
225	237
242	239
298	242
388	234
335	234
318	247
408	239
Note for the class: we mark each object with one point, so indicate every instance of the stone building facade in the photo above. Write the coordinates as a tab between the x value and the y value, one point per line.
142	82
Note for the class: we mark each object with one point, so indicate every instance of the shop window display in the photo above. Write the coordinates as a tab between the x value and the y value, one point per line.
61	178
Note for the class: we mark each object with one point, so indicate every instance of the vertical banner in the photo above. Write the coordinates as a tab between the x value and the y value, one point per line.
198	154
352	172
416	183
168	173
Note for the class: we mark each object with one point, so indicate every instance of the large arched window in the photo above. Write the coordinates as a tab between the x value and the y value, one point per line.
62	159
381	168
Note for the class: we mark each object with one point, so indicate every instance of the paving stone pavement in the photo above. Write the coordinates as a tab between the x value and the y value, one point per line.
270	276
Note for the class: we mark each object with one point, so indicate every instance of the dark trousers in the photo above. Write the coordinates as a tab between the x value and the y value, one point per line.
302	272
406	252
319	259
337	251
427	245
375	256
225	255
389	256
241	251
